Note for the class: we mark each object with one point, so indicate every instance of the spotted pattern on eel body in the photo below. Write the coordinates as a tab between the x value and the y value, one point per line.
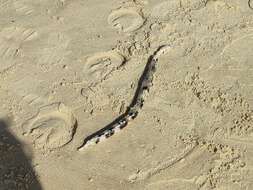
144	84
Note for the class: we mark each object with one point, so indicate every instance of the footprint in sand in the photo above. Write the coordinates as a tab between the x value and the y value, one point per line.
126	20
52	128
11	41
99	66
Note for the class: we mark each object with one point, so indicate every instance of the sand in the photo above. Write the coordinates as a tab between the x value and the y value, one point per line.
70	67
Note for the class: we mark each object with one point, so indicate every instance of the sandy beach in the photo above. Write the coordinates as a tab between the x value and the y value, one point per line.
160	90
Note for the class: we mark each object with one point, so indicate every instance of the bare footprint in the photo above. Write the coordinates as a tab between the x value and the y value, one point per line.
99	66
52	128
11	40
126	20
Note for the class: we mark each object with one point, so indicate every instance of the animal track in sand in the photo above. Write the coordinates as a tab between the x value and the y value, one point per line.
99	66
52	128
126	20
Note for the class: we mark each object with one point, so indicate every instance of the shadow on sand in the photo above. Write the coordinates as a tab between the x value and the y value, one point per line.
16	172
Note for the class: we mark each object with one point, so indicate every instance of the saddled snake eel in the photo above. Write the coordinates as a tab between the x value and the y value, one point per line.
144	84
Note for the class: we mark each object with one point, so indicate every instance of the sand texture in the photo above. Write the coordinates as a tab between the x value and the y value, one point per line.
176	76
